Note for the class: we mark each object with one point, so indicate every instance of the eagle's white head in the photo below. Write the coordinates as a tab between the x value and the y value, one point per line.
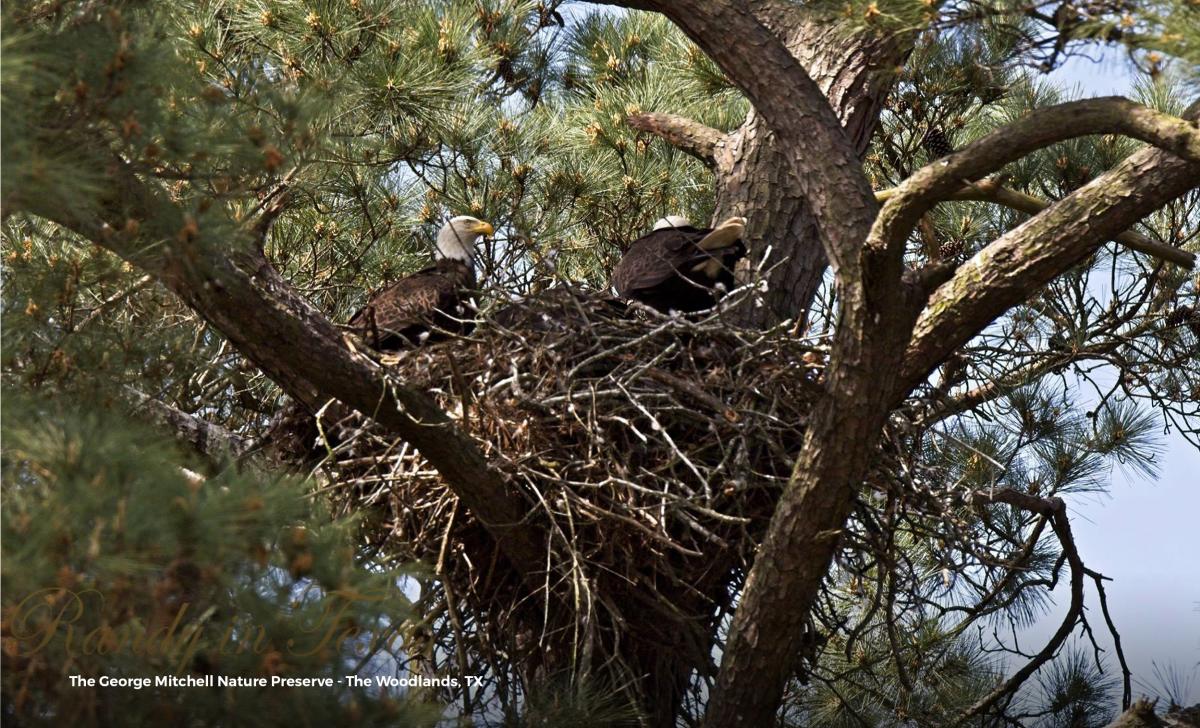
456	239
672	221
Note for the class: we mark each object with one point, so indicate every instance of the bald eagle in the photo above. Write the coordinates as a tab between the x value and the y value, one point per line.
678	267
431	301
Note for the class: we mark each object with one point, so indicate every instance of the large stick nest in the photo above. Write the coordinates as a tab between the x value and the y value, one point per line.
645	444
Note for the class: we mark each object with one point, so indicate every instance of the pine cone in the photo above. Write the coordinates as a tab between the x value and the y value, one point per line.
952	248
1178	316
937	143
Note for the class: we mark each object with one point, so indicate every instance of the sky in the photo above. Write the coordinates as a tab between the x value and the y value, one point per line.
1145	533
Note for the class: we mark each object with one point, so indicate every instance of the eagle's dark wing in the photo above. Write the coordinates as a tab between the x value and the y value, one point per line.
666	269
415	305
656	257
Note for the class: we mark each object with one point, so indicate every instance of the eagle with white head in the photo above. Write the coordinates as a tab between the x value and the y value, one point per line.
431	302
679	267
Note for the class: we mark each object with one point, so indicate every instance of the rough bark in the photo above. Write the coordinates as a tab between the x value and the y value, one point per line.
794	169
1027	257
1040	128
700	141
804	531
207	439
800	162
876	315
755	178
827	169
989	190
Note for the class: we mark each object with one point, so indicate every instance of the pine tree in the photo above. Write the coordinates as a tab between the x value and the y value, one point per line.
120	564
192	194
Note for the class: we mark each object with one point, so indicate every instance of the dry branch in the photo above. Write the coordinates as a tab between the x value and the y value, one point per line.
210	440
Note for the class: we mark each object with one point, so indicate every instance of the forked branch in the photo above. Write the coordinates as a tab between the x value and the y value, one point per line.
1027	257
232	286
1055	510
756	60
990	190
1040	128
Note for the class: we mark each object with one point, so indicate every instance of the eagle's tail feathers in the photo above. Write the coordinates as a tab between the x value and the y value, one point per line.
724	235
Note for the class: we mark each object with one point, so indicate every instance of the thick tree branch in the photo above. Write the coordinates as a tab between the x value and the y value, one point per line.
684	134
244	297
855	69
986	192
876	314
212	441
1007	271
992	191
877	311
802	202
1040	128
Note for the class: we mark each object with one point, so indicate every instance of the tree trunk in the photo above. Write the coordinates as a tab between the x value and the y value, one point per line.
878	305
755	178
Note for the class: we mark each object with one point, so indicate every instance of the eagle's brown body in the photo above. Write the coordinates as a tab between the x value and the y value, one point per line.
428	304
668	270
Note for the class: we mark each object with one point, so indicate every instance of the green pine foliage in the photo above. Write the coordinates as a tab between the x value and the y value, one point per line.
119	565
379	119
584	704
1058	431
1156	37
946	675
909	649
1074	692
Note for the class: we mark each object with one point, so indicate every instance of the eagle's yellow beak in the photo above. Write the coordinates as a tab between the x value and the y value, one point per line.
484	228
